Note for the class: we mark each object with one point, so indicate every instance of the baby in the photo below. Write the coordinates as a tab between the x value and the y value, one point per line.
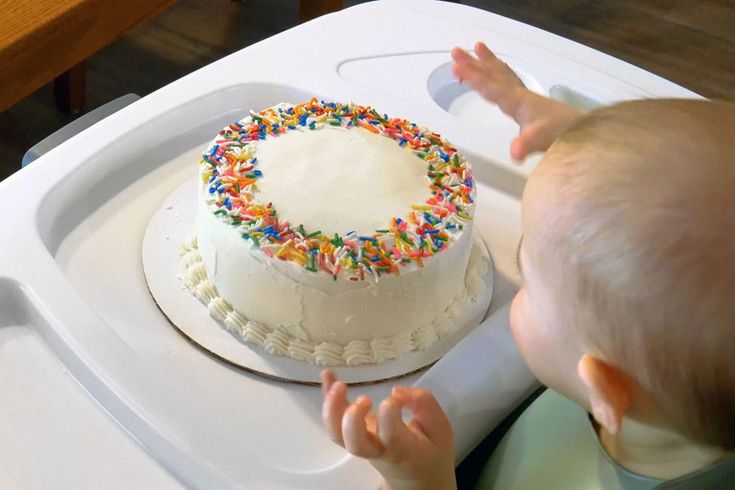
627	304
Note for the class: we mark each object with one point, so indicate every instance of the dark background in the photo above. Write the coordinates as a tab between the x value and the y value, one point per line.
691	43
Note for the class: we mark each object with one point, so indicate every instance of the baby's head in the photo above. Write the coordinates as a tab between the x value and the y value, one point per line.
628	258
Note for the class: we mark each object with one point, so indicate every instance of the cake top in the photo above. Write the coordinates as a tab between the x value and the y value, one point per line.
389	192
338	180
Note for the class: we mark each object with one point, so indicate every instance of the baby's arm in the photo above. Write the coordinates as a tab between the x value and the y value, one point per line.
413	456
541	119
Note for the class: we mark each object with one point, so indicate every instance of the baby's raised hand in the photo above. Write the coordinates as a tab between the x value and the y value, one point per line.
541	120
489	77
417	455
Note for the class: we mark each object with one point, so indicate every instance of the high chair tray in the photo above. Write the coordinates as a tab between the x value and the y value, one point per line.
99	391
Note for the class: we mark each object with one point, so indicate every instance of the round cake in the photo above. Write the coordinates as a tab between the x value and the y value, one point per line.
334	234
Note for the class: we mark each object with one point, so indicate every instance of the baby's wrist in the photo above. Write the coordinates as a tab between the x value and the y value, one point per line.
514	102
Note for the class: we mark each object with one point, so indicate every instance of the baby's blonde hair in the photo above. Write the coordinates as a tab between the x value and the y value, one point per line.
648	245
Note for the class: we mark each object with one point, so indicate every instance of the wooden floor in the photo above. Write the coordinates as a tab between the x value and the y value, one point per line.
690	43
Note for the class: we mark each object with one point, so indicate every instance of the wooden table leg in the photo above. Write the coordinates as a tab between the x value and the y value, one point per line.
311	9
69	89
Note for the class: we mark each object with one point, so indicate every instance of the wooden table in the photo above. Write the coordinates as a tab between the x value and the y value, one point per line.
45	40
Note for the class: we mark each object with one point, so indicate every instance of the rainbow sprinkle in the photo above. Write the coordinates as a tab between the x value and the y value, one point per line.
230	174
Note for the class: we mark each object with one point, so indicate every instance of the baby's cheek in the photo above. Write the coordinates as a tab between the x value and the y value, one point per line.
528	336
519	320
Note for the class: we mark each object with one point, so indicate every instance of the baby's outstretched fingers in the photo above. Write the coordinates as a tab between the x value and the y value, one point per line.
403	453
541	119
465	67
428	418
393	432
358	437
494	80
328	378
459	55
333	409
483	52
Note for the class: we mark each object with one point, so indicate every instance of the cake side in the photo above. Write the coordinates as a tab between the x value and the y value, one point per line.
315	306
279	341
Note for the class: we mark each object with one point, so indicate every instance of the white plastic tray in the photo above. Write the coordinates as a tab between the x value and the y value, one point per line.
73	298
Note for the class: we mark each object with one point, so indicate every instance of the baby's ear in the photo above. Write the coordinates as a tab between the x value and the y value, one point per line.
608	391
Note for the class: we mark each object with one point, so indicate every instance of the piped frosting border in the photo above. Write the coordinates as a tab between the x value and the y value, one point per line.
278	341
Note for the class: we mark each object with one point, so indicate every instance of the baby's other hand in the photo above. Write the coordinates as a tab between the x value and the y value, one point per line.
490	77
417	455
541	120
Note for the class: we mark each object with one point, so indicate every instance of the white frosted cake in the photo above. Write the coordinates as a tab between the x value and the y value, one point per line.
333	234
